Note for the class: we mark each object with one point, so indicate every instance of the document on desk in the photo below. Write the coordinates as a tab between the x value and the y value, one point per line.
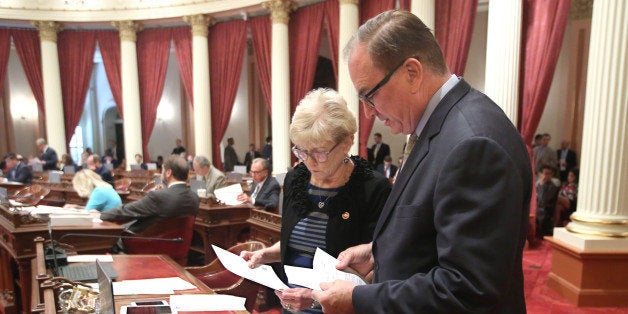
229	194
206	302
151	286
262	274
323	270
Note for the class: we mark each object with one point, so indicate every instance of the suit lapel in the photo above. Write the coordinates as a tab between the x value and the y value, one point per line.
420	150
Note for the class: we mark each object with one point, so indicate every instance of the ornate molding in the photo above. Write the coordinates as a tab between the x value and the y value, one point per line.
581	10
128	30
48	30
280	10
355	2
200	24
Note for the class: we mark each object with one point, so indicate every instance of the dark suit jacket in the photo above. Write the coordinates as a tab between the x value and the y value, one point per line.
570	159
231	158
384	150
20	173
175	201
451	235
268	196
51	159
248	159
105	174
393	170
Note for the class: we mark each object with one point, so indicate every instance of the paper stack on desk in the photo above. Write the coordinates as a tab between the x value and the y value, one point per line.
229	194
70	220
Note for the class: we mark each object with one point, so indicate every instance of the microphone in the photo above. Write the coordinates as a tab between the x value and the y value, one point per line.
88	235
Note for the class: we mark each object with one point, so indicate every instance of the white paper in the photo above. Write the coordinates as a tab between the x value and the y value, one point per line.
262	274
47	210
151	286
323	270
229	194
206	302
89	258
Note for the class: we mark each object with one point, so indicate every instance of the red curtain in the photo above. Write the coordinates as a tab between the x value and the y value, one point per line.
76	60
369	9
182	37
332	17
153	47
109	45
5	39
453	29
29	51
544	23
404	5
261	35
305	36
227	44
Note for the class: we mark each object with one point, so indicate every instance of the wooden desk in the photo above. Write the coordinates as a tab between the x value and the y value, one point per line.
265	226
12	187
17	231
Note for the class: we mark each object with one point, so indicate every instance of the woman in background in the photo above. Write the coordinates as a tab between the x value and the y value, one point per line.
101	194
567	199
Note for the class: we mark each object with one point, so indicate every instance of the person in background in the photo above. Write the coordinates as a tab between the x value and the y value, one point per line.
178	149
160	162
231	158
387	168
331	201
451	235
205	171
250	155
538	140
48	158
66	160
101	195
380	150
267	151
545	155
567	200
265	189
17	171
139	160
566	160
83	161
546	194
94	163
175	200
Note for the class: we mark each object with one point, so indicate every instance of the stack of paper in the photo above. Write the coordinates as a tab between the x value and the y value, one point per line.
229	194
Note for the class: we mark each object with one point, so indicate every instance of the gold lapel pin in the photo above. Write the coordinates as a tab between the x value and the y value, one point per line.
345	215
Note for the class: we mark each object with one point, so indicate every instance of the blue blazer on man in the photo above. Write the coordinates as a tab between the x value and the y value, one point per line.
450	237
51	159
20	173
268	196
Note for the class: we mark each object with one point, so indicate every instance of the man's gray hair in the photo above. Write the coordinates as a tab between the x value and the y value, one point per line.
265	163
40	141
202	161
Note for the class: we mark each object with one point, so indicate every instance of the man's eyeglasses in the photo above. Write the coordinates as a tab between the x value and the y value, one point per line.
367	98
257	172
318	156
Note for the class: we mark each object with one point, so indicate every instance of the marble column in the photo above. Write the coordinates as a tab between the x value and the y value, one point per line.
130	90
603	189
502	55
51	77
280	85
349	22
201	90
426	11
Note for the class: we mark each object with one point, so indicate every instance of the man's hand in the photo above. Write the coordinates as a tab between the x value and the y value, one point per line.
359	257
336	296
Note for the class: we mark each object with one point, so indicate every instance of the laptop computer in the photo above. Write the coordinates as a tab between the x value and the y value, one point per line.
37	168
69	169
105	291
86	272
196	184
136	167
151	166
54	176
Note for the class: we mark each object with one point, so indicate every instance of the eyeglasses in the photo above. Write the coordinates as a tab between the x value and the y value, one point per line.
367	98
257	172
318	156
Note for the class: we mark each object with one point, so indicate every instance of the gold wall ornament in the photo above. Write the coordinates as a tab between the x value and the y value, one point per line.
581	10
280	10
356	2
128	29
200	24
48	29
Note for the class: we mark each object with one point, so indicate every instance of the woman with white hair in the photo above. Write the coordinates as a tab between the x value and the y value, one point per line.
101	194
331	200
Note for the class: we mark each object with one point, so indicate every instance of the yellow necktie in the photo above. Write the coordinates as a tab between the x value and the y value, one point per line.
407	150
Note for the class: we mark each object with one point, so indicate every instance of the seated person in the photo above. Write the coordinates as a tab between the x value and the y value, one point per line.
205	171
546	193
139	160
567	199
175	200
66	160
17	170
94	163
265	189
101	195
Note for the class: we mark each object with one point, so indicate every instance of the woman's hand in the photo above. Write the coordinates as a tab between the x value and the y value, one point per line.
295	299
263	256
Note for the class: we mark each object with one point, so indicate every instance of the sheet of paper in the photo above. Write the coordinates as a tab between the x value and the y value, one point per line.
206	302
323	270
47	210
262	274
151	286
86	258
229	194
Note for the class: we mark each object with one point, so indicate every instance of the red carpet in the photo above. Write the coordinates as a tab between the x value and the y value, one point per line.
540	299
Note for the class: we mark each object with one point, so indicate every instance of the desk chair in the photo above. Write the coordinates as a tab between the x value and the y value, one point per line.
122	185
167	229
31	195
222	281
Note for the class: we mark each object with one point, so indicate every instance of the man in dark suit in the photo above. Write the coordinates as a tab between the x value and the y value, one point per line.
450	237
94	163
380	150
48	157
231	158
17	170
566	160
387	168
175	200
265	189
250	155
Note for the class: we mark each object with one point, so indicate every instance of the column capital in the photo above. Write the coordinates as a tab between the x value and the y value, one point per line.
128	29
200	24
280	10
48	29
341	2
